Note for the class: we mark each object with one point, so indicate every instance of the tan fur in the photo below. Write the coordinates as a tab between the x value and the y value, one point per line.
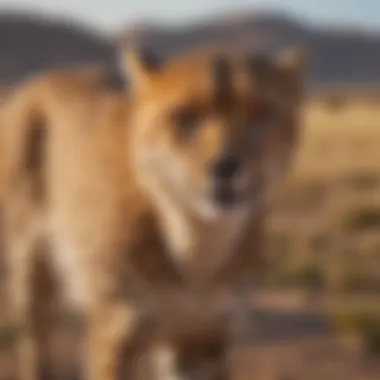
99	192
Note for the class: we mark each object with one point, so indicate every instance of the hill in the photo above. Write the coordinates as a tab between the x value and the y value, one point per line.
29	43
344	56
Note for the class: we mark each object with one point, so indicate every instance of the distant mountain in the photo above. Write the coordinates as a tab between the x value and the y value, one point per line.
341	56
29	44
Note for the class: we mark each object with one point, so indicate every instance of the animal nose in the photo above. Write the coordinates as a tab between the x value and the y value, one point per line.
225	167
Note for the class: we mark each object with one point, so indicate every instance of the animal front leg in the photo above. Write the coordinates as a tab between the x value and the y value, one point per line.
116	338
32	287
200	358
242	269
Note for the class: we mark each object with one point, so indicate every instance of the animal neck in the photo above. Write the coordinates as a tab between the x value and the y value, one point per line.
197	244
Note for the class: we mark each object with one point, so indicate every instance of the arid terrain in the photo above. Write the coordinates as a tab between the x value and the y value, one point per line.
317	315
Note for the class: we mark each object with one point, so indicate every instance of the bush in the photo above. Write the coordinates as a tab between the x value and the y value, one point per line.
361	320
363	217
8	336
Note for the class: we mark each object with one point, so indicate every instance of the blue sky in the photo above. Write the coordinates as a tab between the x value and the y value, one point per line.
109	14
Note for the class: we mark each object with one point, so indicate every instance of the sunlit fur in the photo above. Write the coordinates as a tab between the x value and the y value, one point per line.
97	185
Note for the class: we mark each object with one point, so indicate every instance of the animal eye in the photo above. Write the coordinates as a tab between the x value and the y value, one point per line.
258	130
185	120
261	126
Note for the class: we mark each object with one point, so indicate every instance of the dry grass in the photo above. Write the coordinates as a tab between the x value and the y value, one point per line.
339	143
324	231
325	221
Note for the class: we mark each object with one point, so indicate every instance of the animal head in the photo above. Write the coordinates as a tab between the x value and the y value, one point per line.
214	128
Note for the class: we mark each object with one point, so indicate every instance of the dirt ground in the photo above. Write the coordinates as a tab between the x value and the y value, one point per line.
290	340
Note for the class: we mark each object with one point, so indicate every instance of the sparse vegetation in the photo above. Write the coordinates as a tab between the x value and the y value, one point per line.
8	336
361	181
328	211
336	103
362	321
361	218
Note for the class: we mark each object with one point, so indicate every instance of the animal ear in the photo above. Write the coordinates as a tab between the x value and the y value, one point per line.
295	61
293	67
138	66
